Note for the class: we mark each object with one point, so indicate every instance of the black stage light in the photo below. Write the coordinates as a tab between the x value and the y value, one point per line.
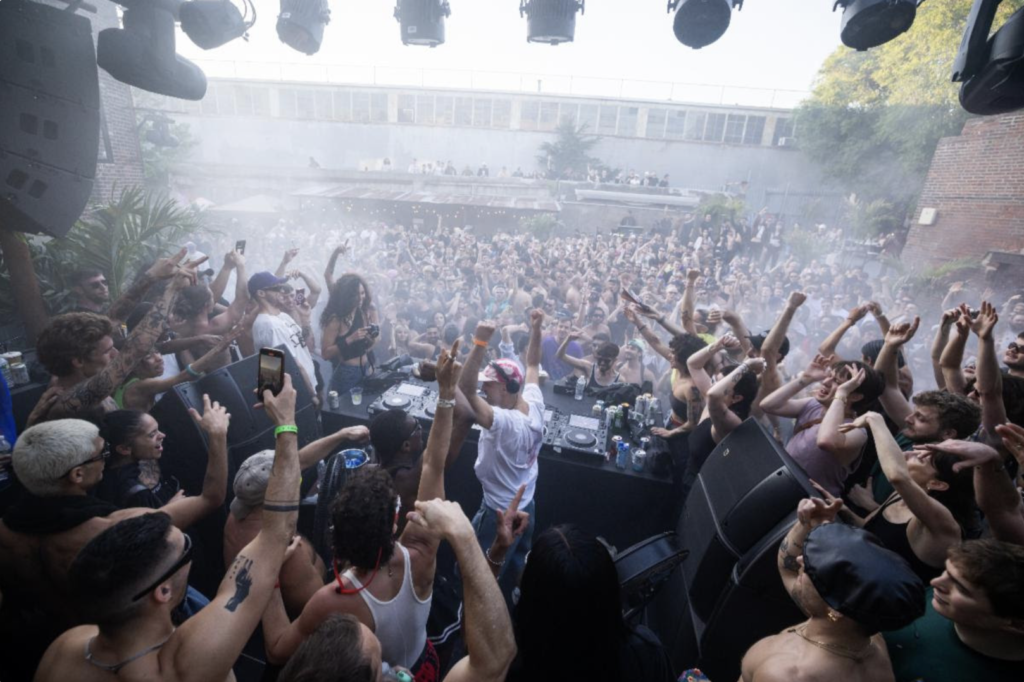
701	22
142	54
551	21
211	23
422	21
991	69
301	24
869	23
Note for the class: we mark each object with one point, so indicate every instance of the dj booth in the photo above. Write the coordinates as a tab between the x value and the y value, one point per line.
576	482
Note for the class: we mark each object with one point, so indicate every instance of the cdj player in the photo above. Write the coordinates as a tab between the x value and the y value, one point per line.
417	400
579	437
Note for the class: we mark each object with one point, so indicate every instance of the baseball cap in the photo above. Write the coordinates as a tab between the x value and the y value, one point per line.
251	483
511	369
262	280
861	579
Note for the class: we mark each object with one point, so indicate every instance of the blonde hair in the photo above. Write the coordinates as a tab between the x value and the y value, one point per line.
47	451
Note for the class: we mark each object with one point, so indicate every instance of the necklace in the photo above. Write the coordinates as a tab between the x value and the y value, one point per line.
116	667
836	649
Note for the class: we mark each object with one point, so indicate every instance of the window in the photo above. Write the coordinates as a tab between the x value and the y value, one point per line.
694	127
482	113
529	115
406	109
425	109
286	103
734	124
606	120
677	122
588	117
501	116
444	110
324	106
627	121
243	100
209	101
715	128
304	106
783	129
342	106
567	113
463	111
379	108
655	124
361	107
261	101
548	116
755	130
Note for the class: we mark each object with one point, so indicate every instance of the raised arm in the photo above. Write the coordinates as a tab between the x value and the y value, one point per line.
652	339
286	259
328	445
989	383
689	302
332	263
185	511
533	347
577	363
875	308
488	629
844	445
934	515
951	362
482	411
724	420
220	282
123	306
810	513
739	330
217	634
783	402
939	344
697	363
829	345
777	334
892	399
237	308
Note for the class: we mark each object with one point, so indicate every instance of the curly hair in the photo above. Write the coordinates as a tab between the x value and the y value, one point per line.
870	389
364	514
192	301
344	297
955	411
685	345
998	569
69	337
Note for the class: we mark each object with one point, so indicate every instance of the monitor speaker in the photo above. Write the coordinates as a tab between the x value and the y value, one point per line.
250	431
49	117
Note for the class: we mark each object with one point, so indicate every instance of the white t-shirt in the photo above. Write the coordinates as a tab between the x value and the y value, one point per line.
507	454
270	331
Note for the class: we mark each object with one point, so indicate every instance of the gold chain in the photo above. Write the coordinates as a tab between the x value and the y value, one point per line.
836	649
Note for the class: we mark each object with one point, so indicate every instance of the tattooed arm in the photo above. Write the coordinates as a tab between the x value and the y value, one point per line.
218	633
185	511
810	513
723	419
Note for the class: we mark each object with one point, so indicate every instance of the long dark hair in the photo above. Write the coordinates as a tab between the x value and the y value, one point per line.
568	622
959	497
344	298
120	427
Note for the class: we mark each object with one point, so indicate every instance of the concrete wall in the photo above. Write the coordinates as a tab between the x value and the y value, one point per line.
288	144
976	187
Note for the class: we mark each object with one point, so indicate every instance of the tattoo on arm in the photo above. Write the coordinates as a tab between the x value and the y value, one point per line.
789	563
694	406
243	582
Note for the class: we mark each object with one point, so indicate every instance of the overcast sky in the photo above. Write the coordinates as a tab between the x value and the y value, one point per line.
777	44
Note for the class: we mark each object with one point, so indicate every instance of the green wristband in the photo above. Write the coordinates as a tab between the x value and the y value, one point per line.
287	428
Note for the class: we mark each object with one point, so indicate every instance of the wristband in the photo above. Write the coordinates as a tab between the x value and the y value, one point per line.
445	403
478	342
193	373
492	562
286	428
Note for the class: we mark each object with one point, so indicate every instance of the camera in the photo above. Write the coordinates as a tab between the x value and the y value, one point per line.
373	330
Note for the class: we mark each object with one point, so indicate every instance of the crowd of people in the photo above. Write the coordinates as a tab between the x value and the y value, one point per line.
589	173
906	412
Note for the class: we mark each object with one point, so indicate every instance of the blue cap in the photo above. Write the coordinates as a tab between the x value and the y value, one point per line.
262	280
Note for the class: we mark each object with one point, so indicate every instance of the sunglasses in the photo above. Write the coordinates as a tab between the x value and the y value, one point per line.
185	558
102	284
103	456
281	289
1015	348
416	429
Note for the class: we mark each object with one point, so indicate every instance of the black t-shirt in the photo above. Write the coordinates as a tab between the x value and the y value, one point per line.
122	486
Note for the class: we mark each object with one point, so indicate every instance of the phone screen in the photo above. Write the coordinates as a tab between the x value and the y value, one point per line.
240	246
300	296
271	373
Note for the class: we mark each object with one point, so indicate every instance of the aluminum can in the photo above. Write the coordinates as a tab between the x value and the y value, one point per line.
333	401
645	443
639	459
609	418
620	418
598	409
19	374
613	451
622	456
641	406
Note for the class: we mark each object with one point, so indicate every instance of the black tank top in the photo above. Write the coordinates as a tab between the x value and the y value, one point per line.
894	537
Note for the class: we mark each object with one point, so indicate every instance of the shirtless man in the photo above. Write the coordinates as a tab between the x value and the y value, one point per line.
130	578
194	316
631	369
824	567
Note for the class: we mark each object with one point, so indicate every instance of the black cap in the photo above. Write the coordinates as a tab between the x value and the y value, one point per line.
861	579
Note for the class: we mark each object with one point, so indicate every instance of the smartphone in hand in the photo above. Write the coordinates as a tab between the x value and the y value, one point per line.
300	296
271	372
240	246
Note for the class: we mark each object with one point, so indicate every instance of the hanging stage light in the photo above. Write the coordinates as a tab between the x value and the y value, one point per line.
991	68
422	21
551	21
143	54
212	23
300	25
701	22
869	23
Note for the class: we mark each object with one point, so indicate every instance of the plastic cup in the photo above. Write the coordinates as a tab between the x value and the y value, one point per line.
357	395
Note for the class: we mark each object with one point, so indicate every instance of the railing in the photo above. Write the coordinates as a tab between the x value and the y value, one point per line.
547	84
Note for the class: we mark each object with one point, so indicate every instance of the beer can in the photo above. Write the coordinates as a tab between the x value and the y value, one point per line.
645	442
598	409
641	406
19	374
333	401
639	459
613	451
620	418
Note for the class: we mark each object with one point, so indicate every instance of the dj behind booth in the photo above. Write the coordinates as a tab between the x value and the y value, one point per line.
622	496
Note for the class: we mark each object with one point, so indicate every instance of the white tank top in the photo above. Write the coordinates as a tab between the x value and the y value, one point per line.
400	624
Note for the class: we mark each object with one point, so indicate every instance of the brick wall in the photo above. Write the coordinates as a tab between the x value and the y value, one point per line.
976	185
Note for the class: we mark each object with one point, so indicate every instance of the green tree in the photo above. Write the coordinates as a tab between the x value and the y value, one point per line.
569	153
875	117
